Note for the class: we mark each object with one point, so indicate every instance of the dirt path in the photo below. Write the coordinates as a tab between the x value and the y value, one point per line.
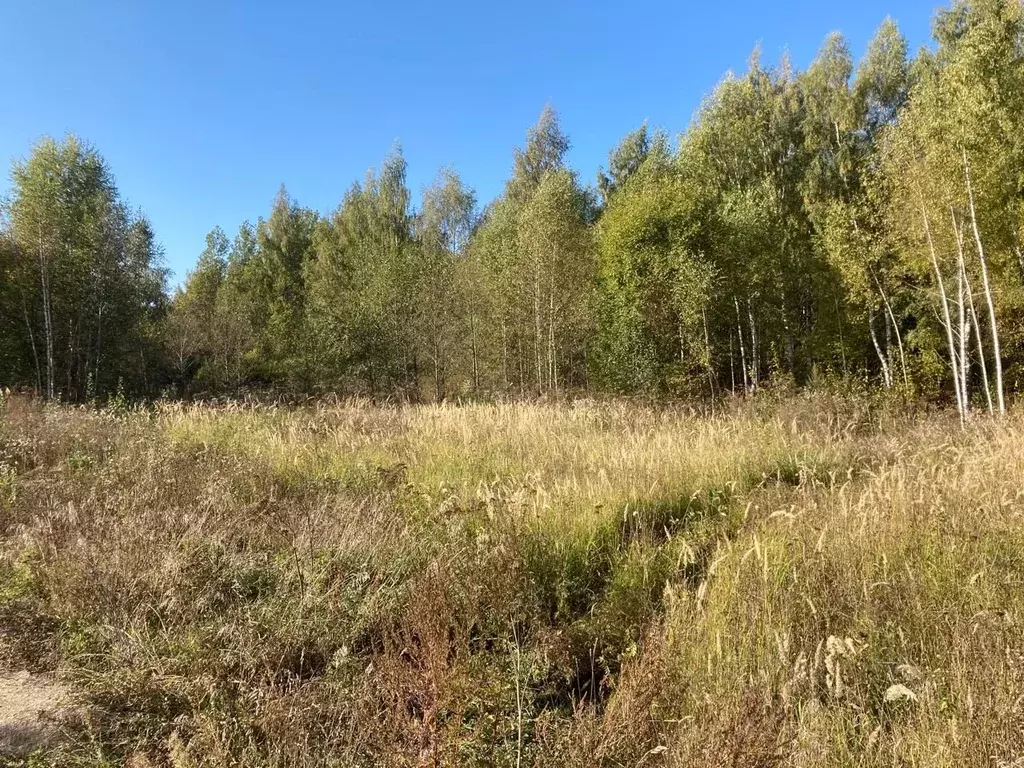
29	705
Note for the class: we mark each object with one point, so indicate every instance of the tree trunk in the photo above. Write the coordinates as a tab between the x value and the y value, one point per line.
886	374
965	361
537	331
993	325
504	355
743	352
976	323
438	388
707	355
754	362
32	343
732	364
473	352
787	338
99	349
981	360
895	326
842	342
552	362
946	320
522	365
72	333
44	276
964	330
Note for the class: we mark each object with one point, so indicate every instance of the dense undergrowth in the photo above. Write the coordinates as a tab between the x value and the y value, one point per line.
802	582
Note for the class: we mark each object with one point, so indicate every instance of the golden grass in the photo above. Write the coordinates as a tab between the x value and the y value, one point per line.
572	458
808	582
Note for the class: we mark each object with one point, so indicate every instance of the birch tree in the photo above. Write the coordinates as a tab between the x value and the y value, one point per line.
443	227
96	278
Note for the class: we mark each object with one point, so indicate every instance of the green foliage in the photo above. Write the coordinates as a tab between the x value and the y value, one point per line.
83	284
536	249
854	220
632	153
654	282
359	284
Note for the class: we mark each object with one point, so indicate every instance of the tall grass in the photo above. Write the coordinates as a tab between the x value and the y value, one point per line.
793	583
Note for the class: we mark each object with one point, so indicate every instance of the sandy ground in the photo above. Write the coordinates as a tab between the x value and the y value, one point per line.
28	708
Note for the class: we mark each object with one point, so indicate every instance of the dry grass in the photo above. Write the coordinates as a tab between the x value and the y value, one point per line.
806	582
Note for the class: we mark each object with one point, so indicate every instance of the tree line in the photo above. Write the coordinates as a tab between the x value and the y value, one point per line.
850	220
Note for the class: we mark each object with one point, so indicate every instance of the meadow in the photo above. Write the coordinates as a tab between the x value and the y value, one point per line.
807	580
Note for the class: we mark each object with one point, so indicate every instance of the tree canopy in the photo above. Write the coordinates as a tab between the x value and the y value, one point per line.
855	219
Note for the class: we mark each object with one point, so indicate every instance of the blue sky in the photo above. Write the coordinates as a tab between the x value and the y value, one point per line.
204	108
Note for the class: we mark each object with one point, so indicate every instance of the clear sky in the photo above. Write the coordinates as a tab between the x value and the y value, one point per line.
203	109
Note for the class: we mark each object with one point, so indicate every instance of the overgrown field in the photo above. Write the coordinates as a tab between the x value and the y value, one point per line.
804	582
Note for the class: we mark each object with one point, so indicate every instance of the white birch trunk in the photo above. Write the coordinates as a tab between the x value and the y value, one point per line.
732	364
754	367
976	323
32	344
538	336
886	374
964	330
981	360
743	351
552	362
707	354
44	277
993	325
946	320
895	327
